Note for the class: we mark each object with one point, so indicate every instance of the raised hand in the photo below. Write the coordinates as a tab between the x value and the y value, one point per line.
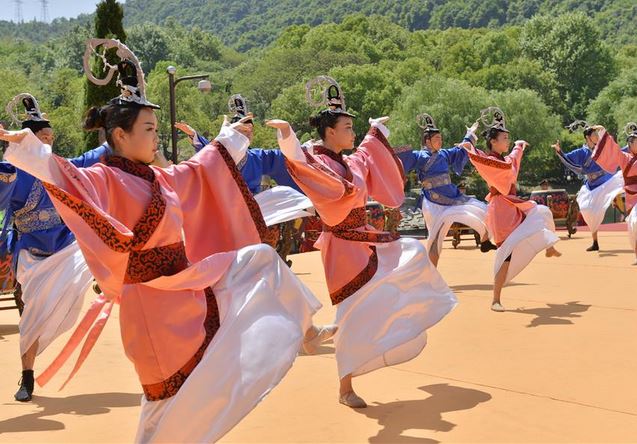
280	125
13	136
378	120
185	128
239	125
471	133
522	143
556	146
226	120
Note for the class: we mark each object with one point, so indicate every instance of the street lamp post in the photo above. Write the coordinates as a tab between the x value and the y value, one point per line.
204	85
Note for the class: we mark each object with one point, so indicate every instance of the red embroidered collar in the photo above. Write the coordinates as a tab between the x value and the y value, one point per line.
496	155
320	149
128	166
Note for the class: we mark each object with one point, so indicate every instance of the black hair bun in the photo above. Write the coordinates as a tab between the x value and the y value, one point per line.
315	121
95	119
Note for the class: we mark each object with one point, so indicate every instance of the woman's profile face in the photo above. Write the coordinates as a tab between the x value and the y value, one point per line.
342	136
500	144
141	143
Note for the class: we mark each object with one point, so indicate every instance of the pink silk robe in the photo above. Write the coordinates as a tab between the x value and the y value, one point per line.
339	186
608	155
157	239
505	211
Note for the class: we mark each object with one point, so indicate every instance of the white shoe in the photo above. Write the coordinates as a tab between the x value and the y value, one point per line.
496	306
351	399
325	332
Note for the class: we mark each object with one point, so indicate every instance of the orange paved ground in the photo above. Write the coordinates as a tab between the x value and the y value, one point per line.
560	367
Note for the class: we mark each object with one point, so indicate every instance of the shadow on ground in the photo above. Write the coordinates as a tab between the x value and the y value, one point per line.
613	253
89	404
554	314
398	418
8	329
482	287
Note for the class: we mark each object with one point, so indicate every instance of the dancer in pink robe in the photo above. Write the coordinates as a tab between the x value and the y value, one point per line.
520	228
211	318
610	156
386	290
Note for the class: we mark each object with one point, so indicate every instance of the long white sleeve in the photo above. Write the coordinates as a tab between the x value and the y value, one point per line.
291	147
235	142
34	157
381	126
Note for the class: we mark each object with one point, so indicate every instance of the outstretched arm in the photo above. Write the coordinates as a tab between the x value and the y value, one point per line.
608	154
382	169
196	140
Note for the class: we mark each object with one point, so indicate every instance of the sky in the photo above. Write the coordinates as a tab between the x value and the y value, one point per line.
57	8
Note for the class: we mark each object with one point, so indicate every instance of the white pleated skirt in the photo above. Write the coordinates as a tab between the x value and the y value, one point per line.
594	203
386	321
53	290
281	204
439	219
264	311
535	234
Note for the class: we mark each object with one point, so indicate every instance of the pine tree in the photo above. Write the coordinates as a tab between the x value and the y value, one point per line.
108	24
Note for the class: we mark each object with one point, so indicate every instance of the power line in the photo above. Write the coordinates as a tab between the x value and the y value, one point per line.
18	11
45	11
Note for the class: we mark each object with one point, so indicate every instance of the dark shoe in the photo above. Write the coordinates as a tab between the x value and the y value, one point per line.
594	247
487	246
25	392
288	263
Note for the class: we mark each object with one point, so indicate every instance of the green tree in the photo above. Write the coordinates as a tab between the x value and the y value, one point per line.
603	109
520	73
149	43
108	24
62	97
291	106
369	92
452	103
469	14
625	112
69	49
570	47
14	83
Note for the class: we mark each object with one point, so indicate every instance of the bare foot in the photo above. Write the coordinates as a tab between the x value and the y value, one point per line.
315	336
552	252
351	399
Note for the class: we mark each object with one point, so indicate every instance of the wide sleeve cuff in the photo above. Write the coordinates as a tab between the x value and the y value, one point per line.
291	147
34	157
383	129
235	142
